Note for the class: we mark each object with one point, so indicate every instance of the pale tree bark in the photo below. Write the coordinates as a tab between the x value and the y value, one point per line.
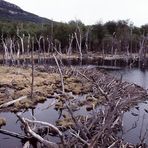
49	46
113	43
141	50
44	50
28	44
86	40
57	46
11	51
22	44
18	53
78	37
71	38
6	52
32	68
39	48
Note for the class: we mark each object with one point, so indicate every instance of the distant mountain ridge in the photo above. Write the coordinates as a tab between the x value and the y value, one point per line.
12	12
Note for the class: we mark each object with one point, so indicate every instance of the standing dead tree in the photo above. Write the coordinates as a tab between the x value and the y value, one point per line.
28	43
69	50
38	40
32	68
142	50
6	52
78	37
22	45
87	40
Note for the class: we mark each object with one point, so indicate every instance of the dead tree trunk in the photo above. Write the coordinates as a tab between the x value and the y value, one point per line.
69	51
18	53
22	44
39	48
11	51
6	53
32	68
28	44
78	37
141	51
86	39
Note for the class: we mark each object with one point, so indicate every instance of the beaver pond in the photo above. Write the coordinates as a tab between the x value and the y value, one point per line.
134	122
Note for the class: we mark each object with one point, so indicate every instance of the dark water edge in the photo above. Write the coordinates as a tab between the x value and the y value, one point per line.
98	61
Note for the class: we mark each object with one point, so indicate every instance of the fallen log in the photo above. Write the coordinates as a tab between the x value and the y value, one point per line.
12	102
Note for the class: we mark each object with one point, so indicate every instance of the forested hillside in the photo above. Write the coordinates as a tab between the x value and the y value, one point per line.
11	12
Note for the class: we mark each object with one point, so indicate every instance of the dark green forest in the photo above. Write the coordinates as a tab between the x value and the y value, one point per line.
73	37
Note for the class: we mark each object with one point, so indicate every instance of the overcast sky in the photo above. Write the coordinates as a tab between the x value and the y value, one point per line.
88	11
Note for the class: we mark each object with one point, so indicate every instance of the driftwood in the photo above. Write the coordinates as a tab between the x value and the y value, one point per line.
12	102
28	129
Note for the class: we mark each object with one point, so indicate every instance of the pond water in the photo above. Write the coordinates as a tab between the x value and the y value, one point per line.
135	121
